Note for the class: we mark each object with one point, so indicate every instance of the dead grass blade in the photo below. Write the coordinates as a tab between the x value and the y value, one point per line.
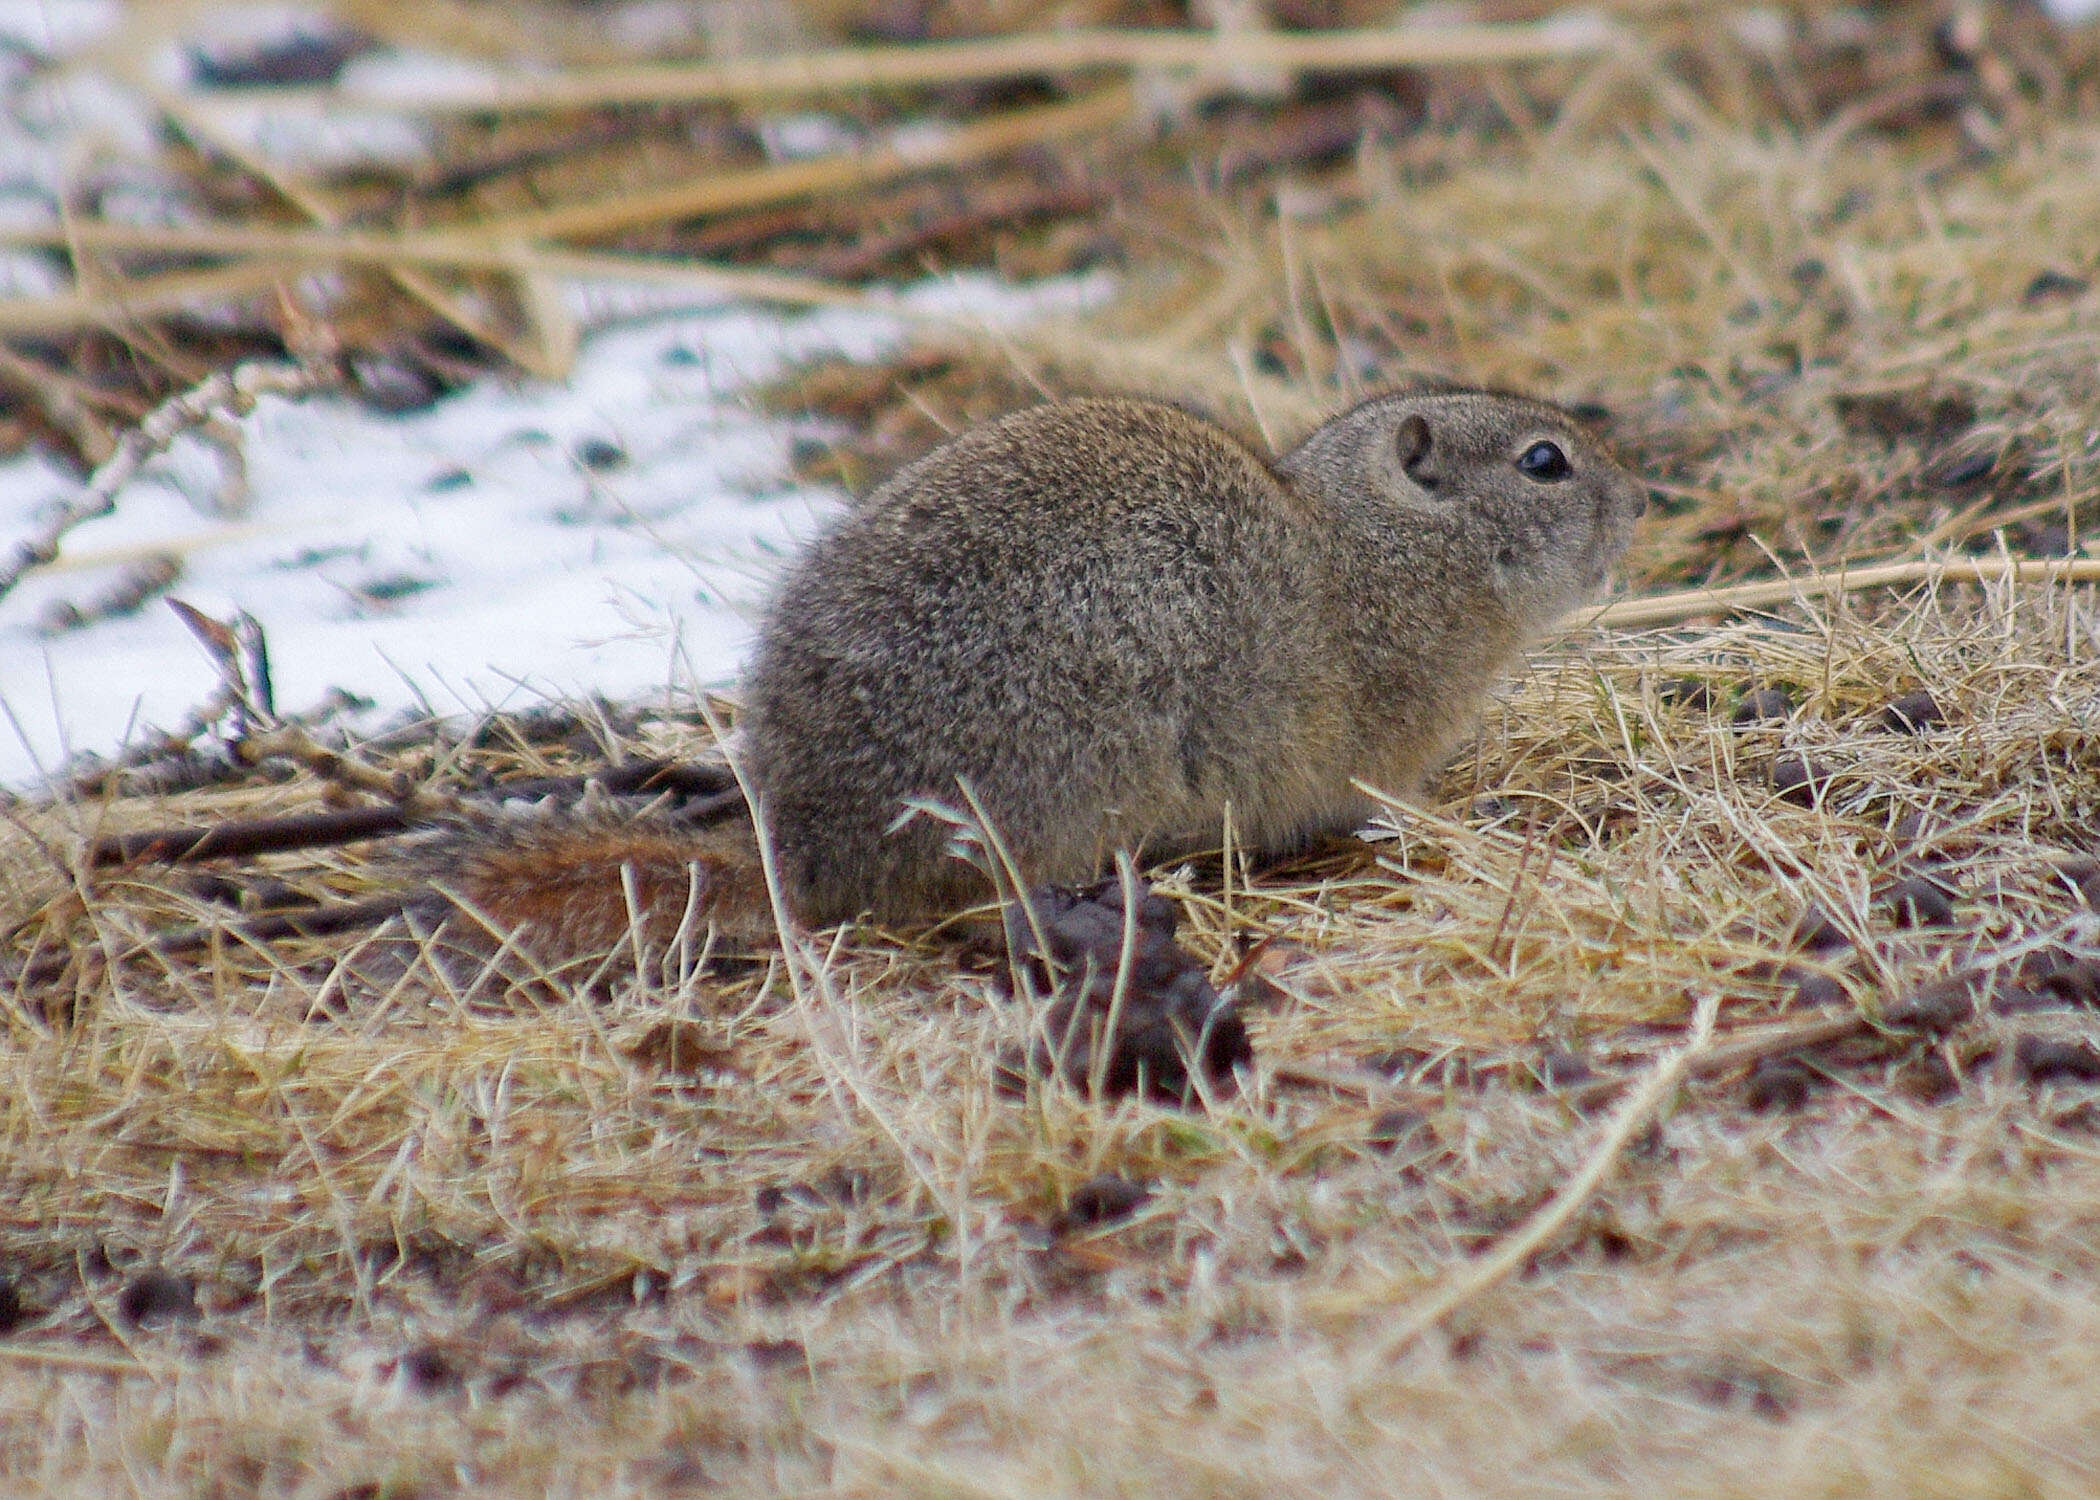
122	302
1666	609
284	253
1029	54
724	191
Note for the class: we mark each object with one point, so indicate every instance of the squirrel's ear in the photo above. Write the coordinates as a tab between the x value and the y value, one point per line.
1413	444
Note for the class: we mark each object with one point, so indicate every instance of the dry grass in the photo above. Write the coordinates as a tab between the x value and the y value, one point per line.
429	1230
329	1218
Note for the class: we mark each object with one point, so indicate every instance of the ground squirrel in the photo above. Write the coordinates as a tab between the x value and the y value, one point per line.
1114	621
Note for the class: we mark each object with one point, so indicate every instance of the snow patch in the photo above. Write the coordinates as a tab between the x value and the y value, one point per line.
614	534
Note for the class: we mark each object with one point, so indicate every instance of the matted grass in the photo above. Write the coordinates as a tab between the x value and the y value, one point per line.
326	1218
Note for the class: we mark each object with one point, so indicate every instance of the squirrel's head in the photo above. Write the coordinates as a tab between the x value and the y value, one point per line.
1514	486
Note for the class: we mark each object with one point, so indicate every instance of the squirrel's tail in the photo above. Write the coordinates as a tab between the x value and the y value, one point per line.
571	886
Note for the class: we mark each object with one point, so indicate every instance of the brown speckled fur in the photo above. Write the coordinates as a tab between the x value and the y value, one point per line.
1113	619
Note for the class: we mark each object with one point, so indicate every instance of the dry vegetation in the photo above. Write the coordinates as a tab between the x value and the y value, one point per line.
333	1217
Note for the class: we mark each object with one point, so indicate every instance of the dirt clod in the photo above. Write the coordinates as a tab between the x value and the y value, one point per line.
1916	901
394	384
681	1046
1167	1014
2062	977
2083	876
1818	932
2041	1059
1691	693
1925	415
1102	1199
1934	1008
1800	779
153	1295
302	57
1762	706
1559	1068
426	1368
1913	713
600	455
1929	1079
1390	1129
1816	989
1780	1084
2053	285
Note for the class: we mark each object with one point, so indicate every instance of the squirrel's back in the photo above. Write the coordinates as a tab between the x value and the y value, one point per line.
1092	614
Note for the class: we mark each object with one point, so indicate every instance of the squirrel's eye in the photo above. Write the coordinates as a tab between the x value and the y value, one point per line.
1543	462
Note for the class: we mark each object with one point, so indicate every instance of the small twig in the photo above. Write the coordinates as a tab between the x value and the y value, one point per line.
239	838
320	921
293	743
236	840
1533	842
1126	961
1297	137
1509	1256
233	391
1664	609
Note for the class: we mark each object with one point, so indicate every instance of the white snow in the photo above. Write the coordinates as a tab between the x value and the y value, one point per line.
57	26
542	576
